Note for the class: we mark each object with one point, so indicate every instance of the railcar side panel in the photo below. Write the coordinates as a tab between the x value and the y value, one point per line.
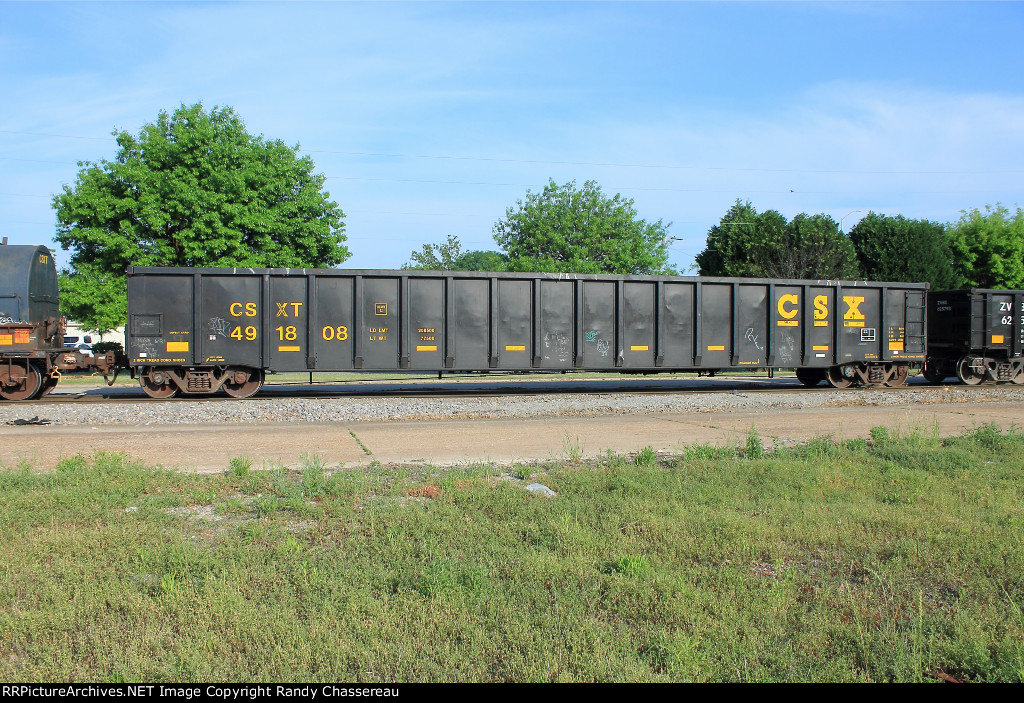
554	339
678	312
788	323
160	320
639	315
472	328
378	329
331	313
600	349
750	326
515	324
716	316
287	331
819	326
858	337
426	323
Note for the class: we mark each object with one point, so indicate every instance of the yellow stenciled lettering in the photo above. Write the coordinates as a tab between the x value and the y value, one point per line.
295	309
820	307
339	333
791	299
232	309
288	333
853	307
250	309
282	309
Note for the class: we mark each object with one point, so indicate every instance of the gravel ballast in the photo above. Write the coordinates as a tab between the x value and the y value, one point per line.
348	409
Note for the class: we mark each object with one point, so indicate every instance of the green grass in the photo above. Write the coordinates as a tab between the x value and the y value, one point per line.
888	560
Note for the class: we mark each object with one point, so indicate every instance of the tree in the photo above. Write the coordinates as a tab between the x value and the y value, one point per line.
565	229
449	256
899	249
730	242
746	243
436	257
191	189
478	260
812	248
988	249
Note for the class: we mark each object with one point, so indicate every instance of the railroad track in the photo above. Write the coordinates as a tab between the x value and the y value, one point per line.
478	389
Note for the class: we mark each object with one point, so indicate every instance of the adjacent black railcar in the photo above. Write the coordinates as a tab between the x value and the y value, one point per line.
200	330
975	334
32	350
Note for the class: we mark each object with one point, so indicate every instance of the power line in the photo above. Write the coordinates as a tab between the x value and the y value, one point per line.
605	164
657	166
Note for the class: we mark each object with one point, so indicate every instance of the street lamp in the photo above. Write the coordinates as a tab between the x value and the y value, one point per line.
844	217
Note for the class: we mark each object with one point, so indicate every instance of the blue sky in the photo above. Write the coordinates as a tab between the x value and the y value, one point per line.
431	119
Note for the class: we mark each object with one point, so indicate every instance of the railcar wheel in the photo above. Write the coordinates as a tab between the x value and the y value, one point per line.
810	377
837	377
19	380
158	384
967	372
1019	378
243	383
900	373
49	383
933	375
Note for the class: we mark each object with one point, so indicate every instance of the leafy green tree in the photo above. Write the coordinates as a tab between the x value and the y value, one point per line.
580	230
988	248
747	243
731	241
449	256
900	249
436	257
191	189
478	260
812	248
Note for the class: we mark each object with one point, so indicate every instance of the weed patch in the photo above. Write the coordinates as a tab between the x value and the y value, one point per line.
893	559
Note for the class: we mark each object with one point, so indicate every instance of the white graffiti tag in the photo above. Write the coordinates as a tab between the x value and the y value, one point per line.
219	326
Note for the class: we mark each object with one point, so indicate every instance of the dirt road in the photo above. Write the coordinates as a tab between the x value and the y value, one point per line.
209	447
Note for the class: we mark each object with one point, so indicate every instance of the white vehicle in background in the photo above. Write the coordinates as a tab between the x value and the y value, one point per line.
82	344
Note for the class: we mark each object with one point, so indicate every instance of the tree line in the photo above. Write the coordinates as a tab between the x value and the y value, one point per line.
983	248
194	188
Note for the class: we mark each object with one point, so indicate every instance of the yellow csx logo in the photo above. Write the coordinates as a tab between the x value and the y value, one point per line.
853	303
788	306
821	307
239	309
789	299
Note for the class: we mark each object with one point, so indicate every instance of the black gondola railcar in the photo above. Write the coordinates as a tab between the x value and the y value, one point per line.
200	330
976	334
